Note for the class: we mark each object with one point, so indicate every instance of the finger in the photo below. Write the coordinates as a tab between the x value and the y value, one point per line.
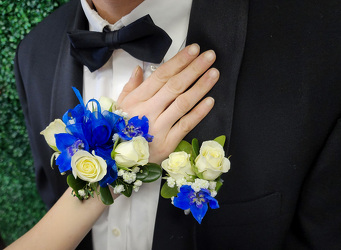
134	81
189	121
186	101
166	71
180	82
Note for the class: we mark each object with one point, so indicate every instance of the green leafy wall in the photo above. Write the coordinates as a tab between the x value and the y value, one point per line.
20	205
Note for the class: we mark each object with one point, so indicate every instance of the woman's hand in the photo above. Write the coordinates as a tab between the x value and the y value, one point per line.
167	101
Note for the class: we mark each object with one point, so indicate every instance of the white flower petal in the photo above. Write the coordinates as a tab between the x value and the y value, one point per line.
55	127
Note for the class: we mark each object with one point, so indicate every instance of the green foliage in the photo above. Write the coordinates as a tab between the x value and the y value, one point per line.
184	146
150	172
168	192
106	195
221	140
195	148
128	189
75	184
21	206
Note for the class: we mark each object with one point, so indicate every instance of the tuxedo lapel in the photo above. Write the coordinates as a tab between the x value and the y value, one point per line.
221	26
68	73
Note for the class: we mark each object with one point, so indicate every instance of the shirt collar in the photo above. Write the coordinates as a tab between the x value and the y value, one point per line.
171	16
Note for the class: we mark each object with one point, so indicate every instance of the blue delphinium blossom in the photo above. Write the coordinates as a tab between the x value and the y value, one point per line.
135	127
197	202
68	145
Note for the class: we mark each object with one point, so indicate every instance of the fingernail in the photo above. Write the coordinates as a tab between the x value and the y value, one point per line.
213	73
193	49
209	101
135	71
209	55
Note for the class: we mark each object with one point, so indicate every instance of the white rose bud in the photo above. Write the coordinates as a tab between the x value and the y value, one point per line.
211	162
132	153
107	104
178	165
88	167
55	127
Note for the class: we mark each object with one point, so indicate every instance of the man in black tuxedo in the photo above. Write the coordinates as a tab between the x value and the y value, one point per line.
278	101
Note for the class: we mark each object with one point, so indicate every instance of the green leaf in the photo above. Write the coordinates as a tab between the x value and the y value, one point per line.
75	184
116	143
219	185
128	189
195	148
221	140
106	195
199	174
184	146
113	153
154	172
143	173
168	192
110	109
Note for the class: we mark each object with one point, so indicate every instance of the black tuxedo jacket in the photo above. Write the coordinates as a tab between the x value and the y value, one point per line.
278	101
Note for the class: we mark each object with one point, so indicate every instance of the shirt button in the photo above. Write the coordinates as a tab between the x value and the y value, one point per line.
153	68
116	232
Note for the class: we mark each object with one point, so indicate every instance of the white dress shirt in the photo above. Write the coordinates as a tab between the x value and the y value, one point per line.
129	222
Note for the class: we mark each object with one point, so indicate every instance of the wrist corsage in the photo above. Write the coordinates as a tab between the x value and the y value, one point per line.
193	175
101	147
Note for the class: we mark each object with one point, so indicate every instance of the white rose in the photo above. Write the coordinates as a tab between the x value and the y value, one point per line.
107	104
178	165
88	167
132	153
55	127
211	162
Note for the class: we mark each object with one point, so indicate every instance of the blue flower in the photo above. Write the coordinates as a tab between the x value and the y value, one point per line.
197	202
111	175
88	130
135	127
68	145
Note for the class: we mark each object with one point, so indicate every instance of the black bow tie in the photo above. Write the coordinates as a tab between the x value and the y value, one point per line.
142	39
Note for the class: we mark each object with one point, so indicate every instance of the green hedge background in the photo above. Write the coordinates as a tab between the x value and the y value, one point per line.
20	205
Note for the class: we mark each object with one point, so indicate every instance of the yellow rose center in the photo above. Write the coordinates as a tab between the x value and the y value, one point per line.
87	167
177	162
213	156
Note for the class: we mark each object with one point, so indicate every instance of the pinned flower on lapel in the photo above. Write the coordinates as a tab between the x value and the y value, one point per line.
194	175
196	202
97	143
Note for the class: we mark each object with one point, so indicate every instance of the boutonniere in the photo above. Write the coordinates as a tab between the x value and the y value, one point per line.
100	147
194	175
